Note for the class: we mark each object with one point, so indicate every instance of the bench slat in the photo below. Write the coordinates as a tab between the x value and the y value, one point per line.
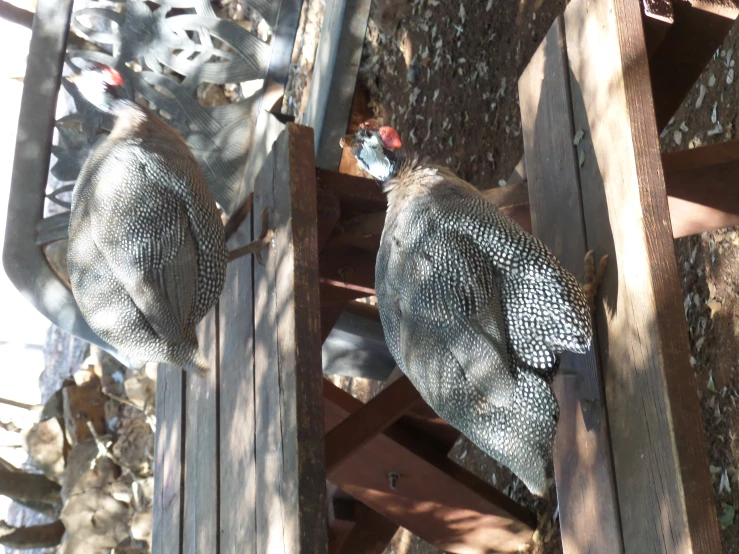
236	423
291	512
298	334
664	489
582	459
269	471
200	519
168	461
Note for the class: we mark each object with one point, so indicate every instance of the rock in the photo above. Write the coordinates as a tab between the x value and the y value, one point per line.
111	372
131	546
112	418
135	444
54	406
83	404
94	520
86	375
141	526
210	95
141	391
44	443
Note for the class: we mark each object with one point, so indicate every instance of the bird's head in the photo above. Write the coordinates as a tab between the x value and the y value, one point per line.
100	84
374	148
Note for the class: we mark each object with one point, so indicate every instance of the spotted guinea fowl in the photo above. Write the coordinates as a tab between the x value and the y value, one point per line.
147	253
475	310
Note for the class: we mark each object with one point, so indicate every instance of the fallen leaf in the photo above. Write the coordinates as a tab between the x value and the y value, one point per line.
581	158
578	137
724	484
715	306
699	343
727	519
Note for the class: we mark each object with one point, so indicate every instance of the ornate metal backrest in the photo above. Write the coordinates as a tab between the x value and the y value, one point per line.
164	54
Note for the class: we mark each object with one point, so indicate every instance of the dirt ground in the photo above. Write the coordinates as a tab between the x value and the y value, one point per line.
445	76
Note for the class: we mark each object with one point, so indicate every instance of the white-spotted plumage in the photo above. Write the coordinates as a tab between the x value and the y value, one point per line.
147	251
475	311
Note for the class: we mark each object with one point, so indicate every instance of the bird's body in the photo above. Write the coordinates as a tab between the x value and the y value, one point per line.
146	249
475	311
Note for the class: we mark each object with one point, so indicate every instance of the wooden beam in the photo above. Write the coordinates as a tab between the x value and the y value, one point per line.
348	266
201	514
699	29
236	423
586	490
367	422
168	475
371	533
703	189
357	195
458	513
664	488
291	483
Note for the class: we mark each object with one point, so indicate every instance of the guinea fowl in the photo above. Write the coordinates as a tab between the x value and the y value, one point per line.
475	310
147	252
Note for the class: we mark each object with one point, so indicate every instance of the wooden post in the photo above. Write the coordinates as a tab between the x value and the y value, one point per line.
664	489
586	490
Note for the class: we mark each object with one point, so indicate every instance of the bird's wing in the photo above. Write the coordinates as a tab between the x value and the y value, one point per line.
151	252
435	295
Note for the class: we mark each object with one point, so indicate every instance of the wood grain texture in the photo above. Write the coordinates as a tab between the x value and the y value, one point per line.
298	331
291	513
459	513
699	29
371	419
269	473
200	522
236	424
702	187
168	453
582	459
661	468
371	533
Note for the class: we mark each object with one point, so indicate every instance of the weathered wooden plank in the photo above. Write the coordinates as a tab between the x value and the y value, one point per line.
582	459
200	521
699	29
465	514
167	508
702	187
335	76
371	533
357	195
291	514
368	421
701	193
348	266
236	424
664	489
299	344
268	450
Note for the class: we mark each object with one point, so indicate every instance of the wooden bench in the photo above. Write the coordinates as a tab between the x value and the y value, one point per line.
239	463
649	490
630	458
